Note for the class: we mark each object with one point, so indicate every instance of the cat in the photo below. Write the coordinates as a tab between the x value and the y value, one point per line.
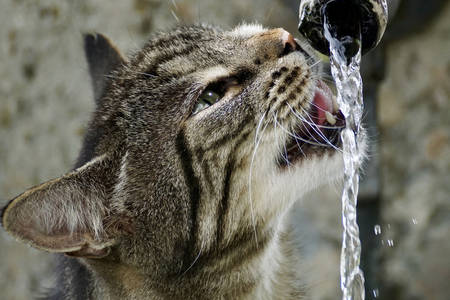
200	144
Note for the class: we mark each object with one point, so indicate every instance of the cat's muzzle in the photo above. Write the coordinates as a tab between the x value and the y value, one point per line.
319	130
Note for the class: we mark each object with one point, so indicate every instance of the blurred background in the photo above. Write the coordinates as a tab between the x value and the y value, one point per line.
404	206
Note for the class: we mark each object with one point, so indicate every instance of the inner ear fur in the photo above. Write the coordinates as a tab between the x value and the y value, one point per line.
67	214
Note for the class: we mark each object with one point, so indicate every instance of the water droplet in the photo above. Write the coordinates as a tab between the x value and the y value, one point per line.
377	229
390	243
414	221
375	293
389	226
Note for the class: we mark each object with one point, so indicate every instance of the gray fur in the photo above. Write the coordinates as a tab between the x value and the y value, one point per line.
178	218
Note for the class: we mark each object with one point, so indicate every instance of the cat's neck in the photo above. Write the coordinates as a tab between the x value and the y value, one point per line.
271	273
279	268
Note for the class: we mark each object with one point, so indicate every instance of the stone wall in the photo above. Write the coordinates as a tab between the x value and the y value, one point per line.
414	116
46	100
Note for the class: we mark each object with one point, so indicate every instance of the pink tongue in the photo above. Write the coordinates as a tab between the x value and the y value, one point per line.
322	105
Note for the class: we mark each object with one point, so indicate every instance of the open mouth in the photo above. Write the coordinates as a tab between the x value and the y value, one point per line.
319	130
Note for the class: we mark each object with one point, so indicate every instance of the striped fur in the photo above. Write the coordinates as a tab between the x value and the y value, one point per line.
198	205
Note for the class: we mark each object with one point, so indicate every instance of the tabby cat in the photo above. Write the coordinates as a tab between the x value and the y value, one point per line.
200	144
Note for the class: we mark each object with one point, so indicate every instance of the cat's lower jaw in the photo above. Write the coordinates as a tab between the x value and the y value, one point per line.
280	269
316	167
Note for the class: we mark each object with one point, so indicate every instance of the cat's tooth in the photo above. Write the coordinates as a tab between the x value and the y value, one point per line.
330	118
335	104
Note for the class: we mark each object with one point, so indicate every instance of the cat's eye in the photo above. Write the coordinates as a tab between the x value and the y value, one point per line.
206	99
217	90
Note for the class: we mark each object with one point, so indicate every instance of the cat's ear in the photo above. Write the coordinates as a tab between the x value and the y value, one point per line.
70	214
103	58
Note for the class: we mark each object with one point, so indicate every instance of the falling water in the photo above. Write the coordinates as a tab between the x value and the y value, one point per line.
345	71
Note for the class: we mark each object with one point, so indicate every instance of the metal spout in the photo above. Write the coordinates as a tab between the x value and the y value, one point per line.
361	20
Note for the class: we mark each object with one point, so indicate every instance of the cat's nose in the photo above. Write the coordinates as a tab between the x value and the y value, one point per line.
288	42
275	42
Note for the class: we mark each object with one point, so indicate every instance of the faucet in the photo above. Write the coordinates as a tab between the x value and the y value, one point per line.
355	23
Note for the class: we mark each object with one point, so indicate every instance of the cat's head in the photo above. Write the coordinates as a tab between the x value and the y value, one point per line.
199	142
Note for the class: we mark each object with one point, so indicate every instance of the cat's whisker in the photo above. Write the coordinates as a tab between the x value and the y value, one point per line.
315	127
199	20
312	58
117	77
296	141
175	16
145	74
174	3
308	132
195	260
323	77
326	80
317	130
315	64
311	123
364	116
286	158
324	110
130	78
255	148
283	155
322	74
300	148
300	138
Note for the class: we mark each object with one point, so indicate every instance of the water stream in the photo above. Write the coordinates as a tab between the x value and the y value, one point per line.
345	71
